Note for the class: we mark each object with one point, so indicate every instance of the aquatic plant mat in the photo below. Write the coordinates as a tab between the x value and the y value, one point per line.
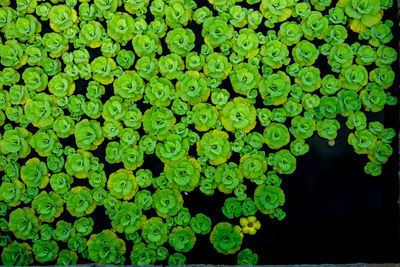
182	132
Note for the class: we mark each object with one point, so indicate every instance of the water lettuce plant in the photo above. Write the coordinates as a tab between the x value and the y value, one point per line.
121	109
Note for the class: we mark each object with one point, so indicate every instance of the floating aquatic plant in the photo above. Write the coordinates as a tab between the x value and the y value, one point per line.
221	95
